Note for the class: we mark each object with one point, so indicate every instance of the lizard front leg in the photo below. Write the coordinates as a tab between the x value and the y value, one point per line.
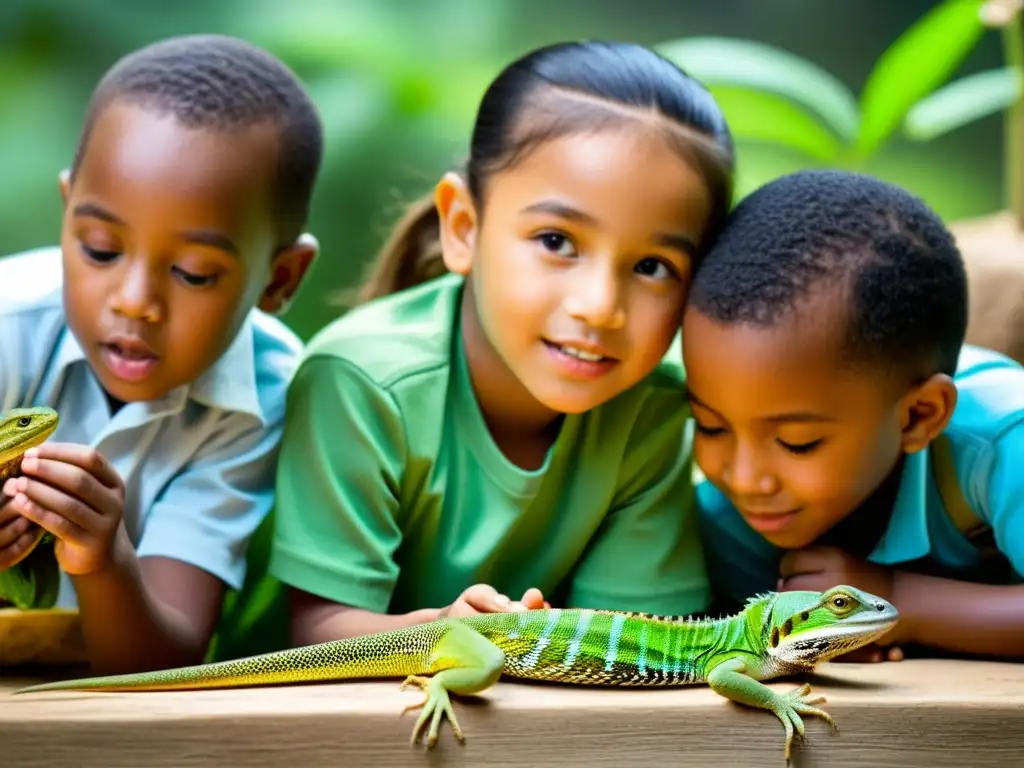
730	679
462	662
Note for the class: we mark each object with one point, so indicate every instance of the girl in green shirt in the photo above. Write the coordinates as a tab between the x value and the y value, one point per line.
506	414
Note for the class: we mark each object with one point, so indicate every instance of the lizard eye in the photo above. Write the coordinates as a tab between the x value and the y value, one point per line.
24	421
840	602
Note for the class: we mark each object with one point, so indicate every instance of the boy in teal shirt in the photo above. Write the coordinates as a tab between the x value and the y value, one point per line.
846	434
149	330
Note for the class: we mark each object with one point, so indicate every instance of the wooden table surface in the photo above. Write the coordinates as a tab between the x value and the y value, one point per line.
912	713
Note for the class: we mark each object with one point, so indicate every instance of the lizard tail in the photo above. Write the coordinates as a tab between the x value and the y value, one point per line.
396	653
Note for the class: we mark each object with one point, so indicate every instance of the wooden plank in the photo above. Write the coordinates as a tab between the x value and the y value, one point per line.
925	712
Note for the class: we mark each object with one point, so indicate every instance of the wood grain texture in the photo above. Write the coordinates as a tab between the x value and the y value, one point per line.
912	713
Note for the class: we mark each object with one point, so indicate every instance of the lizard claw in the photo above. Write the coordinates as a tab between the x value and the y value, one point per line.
788	708
418	682
435	704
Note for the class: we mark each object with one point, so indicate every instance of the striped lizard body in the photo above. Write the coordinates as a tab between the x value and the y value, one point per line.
775	634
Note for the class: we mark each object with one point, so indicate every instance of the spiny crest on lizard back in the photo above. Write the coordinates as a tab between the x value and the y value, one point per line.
801	629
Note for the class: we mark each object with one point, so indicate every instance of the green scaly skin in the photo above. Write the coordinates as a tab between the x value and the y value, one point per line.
21	429
775	634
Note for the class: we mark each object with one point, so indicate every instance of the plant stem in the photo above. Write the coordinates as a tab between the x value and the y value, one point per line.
1013	51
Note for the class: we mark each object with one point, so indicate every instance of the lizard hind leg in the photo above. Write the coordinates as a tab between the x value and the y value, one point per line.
464	662
730	679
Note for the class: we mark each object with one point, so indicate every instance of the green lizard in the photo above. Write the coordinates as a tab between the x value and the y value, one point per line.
775	634
31	582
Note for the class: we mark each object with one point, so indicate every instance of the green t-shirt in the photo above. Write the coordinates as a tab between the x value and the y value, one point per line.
392	496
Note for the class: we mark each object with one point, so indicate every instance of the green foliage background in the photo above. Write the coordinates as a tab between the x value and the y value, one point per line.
397	82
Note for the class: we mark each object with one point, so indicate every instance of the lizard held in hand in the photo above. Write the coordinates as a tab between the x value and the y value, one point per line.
21	429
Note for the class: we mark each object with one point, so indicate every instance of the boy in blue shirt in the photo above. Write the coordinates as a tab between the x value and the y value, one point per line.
149	330
846	433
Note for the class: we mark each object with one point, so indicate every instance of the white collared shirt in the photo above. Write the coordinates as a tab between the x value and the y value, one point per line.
198	464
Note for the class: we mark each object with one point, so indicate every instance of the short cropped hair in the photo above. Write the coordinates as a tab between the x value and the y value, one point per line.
816	230
221	83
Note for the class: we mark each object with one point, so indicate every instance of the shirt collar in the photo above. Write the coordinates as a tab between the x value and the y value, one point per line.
907	537
229	384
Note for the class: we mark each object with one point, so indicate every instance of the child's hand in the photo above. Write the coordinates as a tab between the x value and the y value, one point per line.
821	568
872	654
17	535
483	598
74	493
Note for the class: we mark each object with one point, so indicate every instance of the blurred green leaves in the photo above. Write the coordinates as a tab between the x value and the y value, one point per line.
722	62
964	101
919	60
398	82
771	95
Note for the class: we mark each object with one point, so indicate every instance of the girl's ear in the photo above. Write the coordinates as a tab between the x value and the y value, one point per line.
458	217
926	410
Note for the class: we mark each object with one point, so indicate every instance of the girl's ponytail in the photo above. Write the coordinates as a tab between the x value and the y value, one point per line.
411	255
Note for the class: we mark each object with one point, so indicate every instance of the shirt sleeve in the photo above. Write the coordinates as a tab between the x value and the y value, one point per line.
646	555
1002	496
741	563
338	487
207	515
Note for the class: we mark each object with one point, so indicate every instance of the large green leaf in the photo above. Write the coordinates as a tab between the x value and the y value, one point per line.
760	116
920	59
963	101
725	61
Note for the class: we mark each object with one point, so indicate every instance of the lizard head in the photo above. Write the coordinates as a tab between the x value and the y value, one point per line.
24	428
804	628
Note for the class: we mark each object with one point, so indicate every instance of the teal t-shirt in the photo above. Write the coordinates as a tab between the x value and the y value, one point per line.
986	440
392	495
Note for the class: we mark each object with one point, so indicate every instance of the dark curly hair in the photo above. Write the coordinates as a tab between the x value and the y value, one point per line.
883	248
221	83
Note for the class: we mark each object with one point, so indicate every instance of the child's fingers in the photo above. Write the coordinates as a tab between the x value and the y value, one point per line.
68	508
72	480
486	599
533	599
869	654
16	551
51	521
7	511
82	456
13	529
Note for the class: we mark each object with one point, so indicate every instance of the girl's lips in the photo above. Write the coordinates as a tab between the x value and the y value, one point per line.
772	522
575	366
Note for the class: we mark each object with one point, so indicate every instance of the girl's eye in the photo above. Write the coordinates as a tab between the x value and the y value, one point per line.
557	243
101	257
197	281
800	448
708	431
649	268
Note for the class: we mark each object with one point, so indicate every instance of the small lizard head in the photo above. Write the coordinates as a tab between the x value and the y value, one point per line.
804	628
24	428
